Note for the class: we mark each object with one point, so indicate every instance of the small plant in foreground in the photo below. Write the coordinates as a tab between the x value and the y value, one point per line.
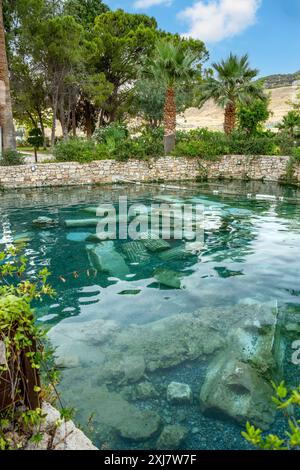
11	158
290	404
20	335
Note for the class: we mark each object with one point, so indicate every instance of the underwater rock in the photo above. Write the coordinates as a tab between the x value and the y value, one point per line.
78	236
45	222
179	393
104	257
127	420
77	223
235	389
135	252
90	210
162	344
255	340
177	253
124	370
20	238
155	245
171	437
145	391
77	343
168	278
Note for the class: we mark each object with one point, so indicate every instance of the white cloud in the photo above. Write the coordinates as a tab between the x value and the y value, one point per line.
215	20
151	3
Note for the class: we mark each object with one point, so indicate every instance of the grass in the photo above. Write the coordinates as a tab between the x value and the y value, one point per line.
31	150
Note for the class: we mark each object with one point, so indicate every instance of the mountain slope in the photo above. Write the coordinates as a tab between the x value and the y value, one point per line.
211	116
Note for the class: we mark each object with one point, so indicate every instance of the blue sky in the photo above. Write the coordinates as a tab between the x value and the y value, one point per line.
267	29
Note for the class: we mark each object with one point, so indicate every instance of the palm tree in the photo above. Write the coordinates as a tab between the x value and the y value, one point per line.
6	117
290	123
170	66
233	86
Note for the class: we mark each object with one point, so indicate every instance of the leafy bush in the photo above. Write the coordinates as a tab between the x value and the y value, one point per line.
108	144
11	158
75	150
287	403
240	144
112	133
210	145
252	117
296	154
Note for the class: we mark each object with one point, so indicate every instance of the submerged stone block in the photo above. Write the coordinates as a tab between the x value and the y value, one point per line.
235	389
177	253
179	393
168	278
155	245
104	257
135	252
77	223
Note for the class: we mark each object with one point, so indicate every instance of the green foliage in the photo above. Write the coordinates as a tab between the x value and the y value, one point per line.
234	83
171	64
111	142
75	150
111	133
11	158
201	143
252	117
18	331
291	124
209	145
35	138
287	402
85	11
149	100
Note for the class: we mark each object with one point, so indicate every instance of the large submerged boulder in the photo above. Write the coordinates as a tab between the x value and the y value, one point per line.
127	420
104	257
235	389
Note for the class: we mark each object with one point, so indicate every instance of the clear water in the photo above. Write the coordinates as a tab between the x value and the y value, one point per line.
251	258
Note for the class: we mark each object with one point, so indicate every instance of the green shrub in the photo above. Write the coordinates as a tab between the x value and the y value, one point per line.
209	145
296	154
288	402
75	150
113	132
11	158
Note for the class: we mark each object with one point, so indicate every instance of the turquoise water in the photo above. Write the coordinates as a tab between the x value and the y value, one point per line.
123	336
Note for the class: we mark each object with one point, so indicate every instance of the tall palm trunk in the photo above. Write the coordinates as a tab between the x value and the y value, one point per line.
170	120
6	116
230	118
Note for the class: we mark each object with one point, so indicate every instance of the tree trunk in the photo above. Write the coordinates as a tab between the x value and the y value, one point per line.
54	109
74	123
6	117
88	120
43	130
170	121
230	118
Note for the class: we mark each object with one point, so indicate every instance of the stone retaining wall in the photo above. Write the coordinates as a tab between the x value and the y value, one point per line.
268	168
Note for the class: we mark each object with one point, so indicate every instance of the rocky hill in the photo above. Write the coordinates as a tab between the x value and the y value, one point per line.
281	80
283	90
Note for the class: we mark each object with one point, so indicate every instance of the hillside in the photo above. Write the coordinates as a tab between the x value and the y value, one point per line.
211	116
